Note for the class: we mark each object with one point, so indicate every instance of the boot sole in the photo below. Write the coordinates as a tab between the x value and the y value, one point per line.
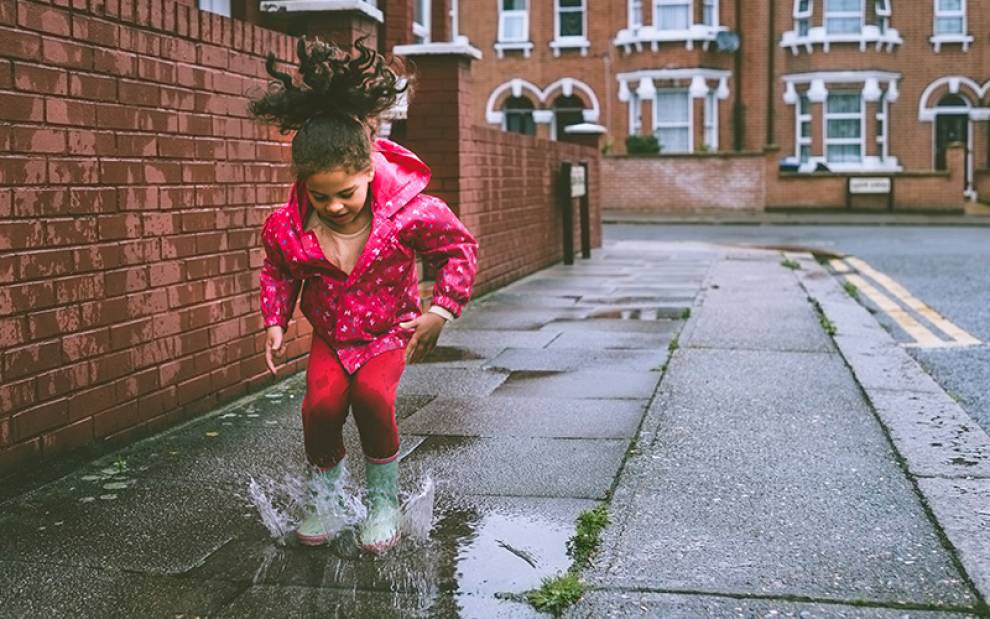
382	546
312	540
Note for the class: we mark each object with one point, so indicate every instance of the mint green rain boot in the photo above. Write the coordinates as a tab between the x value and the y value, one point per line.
312	531
381	529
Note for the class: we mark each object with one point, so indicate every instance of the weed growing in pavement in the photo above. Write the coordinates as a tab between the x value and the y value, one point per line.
674	345
828	325
120	464
851	290
584	543
790	264
686	313
556	594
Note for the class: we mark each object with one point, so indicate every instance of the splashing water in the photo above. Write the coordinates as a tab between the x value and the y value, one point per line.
283	504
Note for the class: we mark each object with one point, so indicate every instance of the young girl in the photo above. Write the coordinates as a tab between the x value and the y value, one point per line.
354	222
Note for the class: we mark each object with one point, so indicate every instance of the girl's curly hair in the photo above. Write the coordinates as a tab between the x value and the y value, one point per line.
334	108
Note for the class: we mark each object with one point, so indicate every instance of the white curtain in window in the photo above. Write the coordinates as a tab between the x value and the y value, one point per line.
513	24
844	128
843	16
673	114
950	17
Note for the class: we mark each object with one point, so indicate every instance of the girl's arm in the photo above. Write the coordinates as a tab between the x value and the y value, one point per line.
278	288
441	239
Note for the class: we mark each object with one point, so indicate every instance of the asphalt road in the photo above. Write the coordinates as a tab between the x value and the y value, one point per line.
948	268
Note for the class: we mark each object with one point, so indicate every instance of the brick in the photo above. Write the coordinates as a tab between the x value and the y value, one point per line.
67	439
46	263
40	79
96	87
138	93
136	385
61	381
18	456
65	112
67	54
95	31
13	332
136	144
27	360
35	17
23	171
115	419
138	198
78	346
21	234
72	171
88	142
115	62
18	298
90	201
91	401
79	288
19	44
112	366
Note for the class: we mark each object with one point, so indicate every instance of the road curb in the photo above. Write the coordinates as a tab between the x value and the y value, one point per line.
944	451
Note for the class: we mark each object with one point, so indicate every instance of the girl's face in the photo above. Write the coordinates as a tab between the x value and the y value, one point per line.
339	196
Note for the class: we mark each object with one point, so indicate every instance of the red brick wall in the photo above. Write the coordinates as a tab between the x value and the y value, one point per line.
509	199
132	188
685	183
982	185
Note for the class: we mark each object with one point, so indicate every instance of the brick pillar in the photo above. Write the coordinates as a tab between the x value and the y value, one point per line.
439	118
870	129
698	105
817	130
397	29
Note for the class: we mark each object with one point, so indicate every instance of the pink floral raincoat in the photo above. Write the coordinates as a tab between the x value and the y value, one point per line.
359	314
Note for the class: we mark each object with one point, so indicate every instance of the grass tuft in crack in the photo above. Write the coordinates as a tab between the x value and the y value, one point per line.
851	290
674	344
556	594
686	313
790	264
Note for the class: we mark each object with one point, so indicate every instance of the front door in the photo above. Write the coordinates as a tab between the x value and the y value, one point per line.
951	128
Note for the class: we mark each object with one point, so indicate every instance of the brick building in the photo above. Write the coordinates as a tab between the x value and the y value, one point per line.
860	87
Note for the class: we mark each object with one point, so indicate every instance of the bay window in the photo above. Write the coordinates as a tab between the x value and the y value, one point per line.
711	121
803	143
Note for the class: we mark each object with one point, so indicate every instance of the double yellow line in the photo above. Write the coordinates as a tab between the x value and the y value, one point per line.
856	271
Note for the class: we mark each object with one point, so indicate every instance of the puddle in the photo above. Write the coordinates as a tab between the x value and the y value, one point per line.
445	354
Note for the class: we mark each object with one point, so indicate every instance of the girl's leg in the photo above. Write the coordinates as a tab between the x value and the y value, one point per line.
373	401
324	407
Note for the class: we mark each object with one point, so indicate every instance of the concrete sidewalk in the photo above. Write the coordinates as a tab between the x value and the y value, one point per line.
763	468
974	215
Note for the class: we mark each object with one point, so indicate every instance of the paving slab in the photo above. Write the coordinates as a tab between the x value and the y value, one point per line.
505	298
514	319
492	466
607	604
605	340
737	483
881	364
740	324
473	339
122	523
564	359
962	507
616	325
936	437
579	384
427	379
528	417
44	590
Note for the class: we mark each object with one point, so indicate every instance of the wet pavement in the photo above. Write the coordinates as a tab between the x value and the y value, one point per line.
523	417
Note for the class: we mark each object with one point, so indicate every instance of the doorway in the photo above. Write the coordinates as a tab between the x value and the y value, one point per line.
952	124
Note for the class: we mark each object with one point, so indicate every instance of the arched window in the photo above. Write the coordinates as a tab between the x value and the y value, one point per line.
567	111
517	114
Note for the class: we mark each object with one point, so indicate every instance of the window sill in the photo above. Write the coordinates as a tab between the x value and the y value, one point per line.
526	47
574	43
867	165
939	40
629	38
361	6
870	35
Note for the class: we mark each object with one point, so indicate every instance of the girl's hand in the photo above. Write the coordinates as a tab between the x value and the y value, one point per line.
428	327
273	347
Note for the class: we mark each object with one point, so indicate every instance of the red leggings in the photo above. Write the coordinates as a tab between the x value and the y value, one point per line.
369	392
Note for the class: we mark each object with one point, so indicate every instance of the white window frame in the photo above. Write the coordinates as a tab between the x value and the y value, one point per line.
633	24
657	125
714	5
583	37
517	13
802	119
884	12
861	14
803	17
659	4
711	121
883	118
860	115
635	114
220	7
422	30
950	14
